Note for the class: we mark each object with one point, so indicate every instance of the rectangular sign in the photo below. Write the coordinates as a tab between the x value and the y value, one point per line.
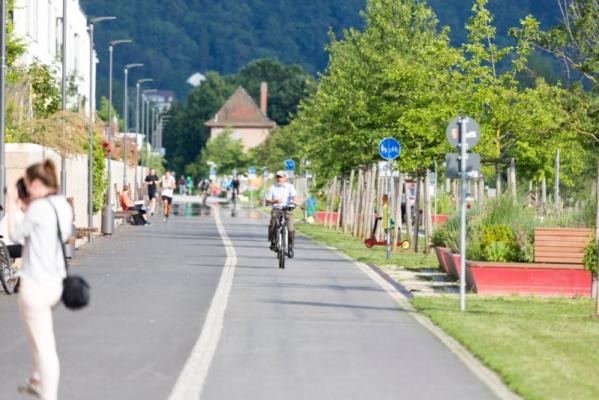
452	165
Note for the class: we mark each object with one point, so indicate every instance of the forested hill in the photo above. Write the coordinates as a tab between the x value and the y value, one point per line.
176	38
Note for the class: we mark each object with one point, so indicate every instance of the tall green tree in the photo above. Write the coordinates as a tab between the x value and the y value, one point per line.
224	151
393	79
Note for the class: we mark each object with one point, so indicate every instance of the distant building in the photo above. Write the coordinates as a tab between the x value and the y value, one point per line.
162	99
246	121
39	26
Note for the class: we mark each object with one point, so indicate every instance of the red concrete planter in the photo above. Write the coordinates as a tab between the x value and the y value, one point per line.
442	258
450	262
439	219
498	278
320	217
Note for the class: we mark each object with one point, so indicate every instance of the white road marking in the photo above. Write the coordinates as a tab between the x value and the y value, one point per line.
191	379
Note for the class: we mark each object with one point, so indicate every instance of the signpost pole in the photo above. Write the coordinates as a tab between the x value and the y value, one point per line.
463	155
388	191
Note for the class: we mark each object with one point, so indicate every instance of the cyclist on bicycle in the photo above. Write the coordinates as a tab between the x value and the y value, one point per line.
279	195
234	186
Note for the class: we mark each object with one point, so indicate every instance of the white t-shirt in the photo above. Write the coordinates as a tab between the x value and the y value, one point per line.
42	252
168	184
284	193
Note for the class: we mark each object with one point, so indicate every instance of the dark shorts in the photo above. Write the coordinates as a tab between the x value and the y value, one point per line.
151	195
168	199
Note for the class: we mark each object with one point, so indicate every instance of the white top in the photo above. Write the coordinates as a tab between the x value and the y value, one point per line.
284	193
42	252
168	184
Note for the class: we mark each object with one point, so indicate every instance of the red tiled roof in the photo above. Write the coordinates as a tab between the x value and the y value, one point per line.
240	110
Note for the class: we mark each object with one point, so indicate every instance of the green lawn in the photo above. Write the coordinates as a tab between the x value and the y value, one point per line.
542	348
357	250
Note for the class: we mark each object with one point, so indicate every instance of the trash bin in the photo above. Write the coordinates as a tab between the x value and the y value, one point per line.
107	220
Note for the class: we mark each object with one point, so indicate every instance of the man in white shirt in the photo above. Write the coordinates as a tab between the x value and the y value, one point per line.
279	195
168	186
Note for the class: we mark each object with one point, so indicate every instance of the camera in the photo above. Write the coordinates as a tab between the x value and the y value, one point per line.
21	189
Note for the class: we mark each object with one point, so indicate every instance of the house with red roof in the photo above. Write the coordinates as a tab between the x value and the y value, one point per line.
243	118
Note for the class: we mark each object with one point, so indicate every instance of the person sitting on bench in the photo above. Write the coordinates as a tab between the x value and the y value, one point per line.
141	217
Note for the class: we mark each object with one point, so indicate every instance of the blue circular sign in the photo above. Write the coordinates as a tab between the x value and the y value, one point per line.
389	148
289	164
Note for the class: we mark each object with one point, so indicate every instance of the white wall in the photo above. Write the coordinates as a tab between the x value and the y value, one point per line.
38	24
20	155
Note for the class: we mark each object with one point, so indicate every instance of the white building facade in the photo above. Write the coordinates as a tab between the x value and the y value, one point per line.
38	23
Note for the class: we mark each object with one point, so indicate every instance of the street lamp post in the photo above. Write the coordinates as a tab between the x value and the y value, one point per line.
2	101
107	216
90	152
63	164
137	131
146	120
126	118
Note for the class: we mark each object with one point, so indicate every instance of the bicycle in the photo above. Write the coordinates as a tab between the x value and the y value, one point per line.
9	273
282	238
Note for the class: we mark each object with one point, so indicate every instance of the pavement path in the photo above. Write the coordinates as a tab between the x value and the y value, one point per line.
319	329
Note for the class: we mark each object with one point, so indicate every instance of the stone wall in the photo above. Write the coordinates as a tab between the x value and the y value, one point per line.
20	155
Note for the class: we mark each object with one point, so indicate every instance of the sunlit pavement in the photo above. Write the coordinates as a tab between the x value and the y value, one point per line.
320	328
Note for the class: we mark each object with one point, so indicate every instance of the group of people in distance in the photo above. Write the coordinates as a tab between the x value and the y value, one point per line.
167	186
280	194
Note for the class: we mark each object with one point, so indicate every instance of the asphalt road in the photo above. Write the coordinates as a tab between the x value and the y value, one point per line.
320	329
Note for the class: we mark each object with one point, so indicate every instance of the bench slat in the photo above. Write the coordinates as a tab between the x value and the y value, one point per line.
560	245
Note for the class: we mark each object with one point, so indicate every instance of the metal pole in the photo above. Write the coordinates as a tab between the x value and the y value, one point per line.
63	164
2	104
463	147
90	153
126	119
136	133
125	129
556	184
90	150
388	191
107	217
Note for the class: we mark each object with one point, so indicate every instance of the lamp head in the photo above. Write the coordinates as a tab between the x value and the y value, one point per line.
120	41
133	65
100	19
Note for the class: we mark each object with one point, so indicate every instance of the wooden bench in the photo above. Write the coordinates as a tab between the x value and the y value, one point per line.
557	268
561	245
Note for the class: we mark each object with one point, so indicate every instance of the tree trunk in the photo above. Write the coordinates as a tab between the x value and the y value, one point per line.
427	214
398	217
409	228
357	204
597	234
417	213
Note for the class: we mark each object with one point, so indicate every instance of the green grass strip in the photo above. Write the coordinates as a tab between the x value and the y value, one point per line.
542	348
357	250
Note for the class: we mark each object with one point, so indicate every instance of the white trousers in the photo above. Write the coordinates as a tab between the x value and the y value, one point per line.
35	306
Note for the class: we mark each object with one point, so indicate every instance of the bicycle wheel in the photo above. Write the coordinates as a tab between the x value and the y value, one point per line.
8	274
282	248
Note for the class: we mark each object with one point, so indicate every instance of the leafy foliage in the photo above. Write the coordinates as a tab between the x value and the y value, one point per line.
590	257
226	152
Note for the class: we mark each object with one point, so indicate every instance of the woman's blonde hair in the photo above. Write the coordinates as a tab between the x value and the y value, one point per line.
45	172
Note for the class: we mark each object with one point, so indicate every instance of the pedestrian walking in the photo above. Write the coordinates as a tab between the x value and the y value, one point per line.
42	270
152	185
167	183
182	185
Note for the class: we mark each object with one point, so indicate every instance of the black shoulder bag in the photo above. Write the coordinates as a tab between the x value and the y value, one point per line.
75	290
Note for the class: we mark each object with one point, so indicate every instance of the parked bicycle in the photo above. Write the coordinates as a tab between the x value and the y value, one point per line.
282	237
9	273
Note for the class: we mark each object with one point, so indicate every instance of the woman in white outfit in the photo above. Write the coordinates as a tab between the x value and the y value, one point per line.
42	270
